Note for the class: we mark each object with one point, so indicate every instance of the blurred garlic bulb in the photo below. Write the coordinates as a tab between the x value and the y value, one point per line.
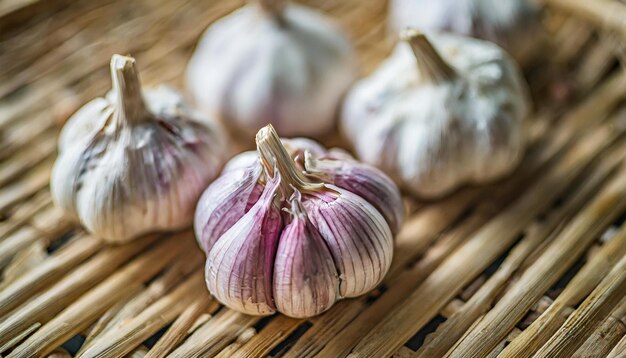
436	116
333	243
134	162
271	62
515	25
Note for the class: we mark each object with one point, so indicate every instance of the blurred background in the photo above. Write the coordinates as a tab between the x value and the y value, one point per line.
54	57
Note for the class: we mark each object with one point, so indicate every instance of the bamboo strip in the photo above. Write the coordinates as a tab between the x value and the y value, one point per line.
124	338
326	327
571	37
24	132
453	328
260	345
214	335
51	222
59	353
25	260
13	12
178	331
620	349
24	213
606	336
96	301
45	305
172	276
404	352
26	159
45	226
140	352
544	272
243	338
26	187
104	319
418	232
597	62
17	241
496	351
581	285
608	14
20	337
482	248
589	113
596	307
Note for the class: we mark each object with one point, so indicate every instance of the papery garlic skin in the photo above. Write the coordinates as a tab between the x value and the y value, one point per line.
305	278
332	243
434	123
288	66
514	25
134	162
225	202
348	223
239	265
364	180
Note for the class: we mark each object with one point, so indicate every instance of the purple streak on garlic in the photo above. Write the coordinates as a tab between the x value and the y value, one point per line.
273	62
437	115
364	180
224	202
240	264
350	224
305	277
134	162
334	243
514	25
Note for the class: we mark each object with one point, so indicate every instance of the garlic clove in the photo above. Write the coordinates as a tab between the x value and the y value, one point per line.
224	202
363	180
286	65
305	279
83	124
357	235
242	161
240	264
125	169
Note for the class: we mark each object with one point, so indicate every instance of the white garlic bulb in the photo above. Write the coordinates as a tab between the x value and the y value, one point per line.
270	62
515	25
434	118
333	239
134	162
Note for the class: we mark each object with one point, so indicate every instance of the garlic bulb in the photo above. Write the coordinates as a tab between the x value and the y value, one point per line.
434	118
134	162
512	24
281	238
271	62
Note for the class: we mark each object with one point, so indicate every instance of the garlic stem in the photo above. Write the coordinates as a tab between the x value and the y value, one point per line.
131	107
430	63
273	8
274	155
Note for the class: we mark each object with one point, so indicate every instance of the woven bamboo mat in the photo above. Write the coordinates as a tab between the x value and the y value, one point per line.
535	263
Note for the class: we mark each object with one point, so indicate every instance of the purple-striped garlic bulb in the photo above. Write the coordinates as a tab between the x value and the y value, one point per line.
293	228
273	62
135	162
